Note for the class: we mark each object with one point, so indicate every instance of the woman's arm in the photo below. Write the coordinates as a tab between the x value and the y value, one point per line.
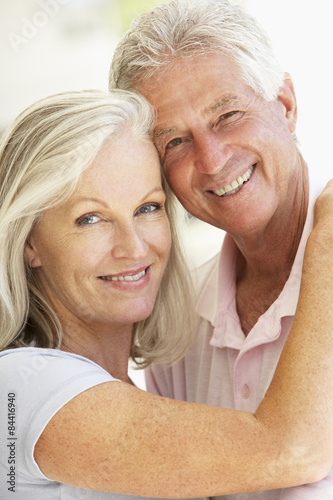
301	392
117	438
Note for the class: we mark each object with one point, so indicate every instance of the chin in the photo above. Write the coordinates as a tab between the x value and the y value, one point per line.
140	314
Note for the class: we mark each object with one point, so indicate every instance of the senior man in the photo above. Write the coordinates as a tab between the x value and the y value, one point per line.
225	132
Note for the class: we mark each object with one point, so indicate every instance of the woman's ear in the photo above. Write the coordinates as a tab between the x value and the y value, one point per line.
31	256
287	98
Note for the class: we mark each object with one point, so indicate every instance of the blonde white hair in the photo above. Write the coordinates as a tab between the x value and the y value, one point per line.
42	156
183	29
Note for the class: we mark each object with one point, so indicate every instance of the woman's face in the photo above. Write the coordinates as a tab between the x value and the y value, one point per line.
99	257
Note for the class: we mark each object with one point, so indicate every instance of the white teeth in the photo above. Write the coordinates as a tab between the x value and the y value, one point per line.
135	277
220	192
235	185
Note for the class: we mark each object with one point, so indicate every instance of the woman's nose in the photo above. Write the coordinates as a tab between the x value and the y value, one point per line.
128	243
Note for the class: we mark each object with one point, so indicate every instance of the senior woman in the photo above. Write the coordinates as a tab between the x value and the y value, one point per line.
86	282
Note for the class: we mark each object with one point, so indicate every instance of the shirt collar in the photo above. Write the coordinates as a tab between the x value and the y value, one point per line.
219	288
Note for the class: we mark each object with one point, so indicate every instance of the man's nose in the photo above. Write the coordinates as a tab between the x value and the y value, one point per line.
211	153
128	243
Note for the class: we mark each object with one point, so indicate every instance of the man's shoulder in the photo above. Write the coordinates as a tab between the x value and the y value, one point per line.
201	273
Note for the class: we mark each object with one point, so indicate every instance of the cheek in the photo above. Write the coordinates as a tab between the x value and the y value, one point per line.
61	260
180	179
178	165
160	240
165	241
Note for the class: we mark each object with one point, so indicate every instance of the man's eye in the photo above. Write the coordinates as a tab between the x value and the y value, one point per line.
227	115
150	207
174	142
88	220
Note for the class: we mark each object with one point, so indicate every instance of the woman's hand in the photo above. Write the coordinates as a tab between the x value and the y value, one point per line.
324	208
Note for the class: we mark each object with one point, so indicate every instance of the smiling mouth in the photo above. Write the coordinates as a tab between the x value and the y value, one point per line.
235	185
134	277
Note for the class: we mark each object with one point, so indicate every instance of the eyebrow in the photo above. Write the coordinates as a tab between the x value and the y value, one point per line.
219	105
88	198
156	189
160	134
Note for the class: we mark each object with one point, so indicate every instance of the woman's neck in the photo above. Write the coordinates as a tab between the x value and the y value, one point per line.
108	347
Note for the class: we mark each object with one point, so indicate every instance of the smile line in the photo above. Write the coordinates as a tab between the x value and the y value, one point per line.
235	185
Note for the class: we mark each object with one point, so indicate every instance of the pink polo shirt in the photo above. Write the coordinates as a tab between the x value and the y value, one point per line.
223	367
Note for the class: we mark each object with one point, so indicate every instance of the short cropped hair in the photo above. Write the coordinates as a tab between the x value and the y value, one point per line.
42	156
182	29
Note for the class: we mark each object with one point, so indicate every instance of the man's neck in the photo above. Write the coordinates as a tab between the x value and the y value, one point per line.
265	261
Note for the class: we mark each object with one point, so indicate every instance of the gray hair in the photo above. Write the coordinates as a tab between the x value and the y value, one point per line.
42	156
182	29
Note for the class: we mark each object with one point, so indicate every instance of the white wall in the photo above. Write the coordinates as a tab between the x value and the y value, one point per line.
48	46
69	44
302	34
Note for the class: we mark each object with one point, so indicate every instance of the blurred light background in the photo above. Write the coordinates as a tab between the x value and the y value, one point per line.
48	46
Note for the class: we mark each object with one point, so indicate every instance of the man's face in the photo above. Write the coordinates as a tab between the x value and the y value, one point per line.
229	156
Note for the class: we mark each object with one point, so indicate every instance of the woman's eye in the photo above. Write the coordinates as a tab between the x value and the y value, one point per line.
150	207
88	220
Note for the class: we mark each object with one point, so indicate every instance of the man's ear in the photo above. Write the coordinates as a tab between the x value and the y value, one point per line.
287	98
31	256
